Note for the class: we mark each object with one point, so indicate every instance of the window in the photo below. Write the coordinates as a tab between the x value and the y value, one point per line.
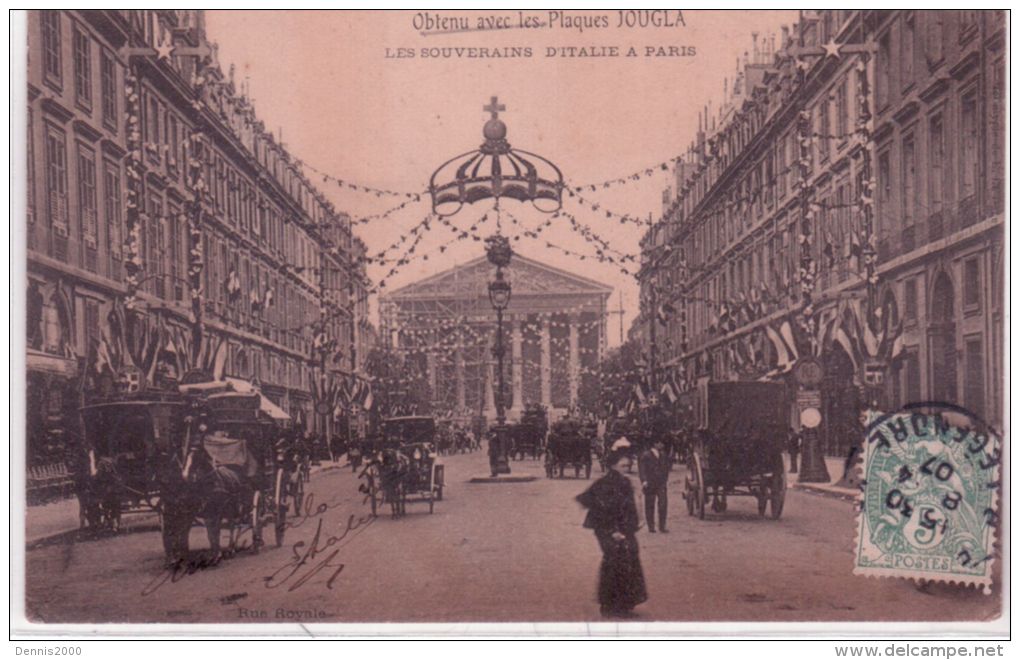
907	37
969	145
937	154
909	181
911	376
883	68
884	190
910	301
56	178
114	228
174	251
933	38
842	111
968	24
91	321
974	378
50	27
108	83
87	213
825	130
971	284
30	173
82	69
173	144
155	246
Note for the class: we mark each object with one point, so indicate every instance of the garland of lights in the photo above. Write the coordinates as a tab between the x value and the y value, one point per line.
133	264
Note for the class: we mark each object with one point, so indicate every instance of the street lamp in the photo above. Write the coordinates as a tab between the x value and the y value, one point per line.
496	170
498	251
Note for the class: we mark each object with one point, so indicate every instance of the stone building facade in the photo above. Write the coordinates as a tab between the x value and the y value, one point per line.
845	203
158	205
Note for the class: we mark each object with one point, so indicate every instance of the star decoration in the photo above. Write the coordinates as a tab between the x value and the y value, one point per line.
831	48
165	49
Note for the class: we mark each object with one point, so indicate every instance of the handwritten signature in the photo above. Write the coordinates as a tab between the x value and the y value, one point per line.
299	568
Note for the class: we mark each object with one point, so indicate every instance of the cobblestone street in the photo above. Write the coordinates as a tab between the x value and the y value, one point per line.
506	552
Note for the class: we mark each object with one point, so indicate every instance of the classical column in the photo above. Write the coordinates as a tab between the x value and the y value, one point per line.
461	393
488	373
546	364
574	366
517	374
430	366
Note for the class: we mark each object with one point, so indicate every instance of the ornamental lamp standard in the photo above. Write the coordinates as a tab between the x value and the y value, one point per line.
498	251
493	171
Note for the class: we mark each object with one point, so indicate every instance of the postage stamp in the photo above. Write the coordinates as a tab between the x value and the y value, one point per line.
929	502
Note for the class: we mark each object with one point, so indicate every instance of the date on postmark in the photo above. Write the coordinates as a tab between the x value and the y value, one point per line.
929	501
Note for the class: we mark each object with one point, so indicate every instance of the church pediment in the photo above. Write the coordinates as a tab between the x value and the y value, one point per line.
527	276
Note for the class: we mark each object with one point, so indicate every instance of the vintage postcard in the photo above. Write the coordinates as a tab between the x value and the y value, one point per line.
584	322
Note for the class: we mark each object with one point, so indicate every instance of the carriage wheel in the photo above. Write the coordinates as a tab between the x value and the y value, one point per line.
778	489
258	511
700	492
299	495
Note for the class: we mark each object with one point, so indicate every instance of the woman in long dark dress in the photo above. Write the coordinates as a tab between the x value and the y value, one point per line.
613	517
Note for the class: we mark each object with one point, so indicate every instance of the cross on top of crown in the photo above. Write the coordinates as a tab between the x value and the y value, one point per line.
494	107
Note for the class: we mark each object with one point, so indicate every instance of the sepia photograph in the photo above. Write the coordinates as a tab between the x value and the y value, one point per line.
607	322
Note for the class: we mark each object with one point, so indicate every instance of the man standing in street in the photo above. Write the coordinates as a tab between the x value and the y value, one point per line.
793	446
653	468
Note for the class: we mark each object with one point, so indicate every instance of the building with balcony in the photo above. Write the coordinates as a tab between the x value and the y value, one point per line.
845	203
168	230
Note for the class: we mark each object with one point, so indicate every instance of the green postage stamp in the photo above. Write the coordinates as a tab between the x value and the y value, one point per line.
929	501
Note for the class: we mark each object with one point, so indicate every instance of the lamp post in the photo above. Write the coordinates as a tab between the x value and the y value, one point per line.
498	251
496	170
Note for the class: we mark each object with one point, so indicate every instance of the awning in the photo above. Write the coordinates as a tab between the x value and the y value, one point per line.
208	387
51	364
274	411
239	385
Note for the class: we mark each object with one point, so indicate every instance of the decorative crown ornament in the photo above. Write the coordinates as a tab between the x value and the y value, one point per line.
495	170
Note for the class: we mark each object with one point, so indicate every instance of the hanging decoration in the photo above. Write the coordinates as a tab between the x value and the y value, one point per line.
133	264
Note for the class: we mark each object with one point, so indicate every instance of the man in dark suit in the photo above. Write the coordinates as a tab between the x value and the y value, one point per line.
653	468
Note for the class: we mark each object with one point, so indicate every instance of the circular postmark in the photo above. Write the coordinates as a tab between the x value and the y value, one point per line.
929	500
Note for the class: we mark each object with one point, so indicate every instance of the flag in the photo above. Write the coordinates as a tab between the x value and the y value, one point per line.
103	358
639	393
829	250
668	392
854	251
665	312
783	357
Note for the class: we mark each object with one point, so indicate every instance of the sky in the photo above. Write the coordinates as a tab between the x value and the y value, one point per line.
331	83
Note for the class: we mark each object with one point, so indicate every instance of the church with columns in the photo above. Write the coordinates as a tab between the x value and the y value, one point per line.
554	332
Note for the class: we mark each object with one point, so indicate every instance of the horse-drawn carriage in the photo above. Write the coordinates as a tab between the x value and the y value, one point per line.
130	442
568	446
209	453
528	436
737	449
403	465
